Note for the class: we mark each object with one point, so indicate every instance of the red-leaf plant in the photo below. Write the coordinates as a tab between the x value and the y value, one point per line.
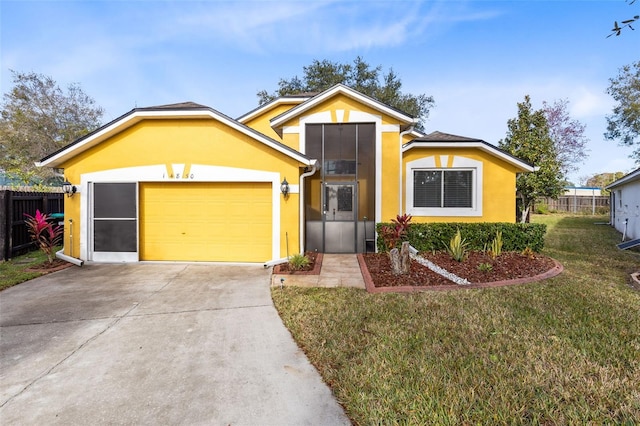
393	235
43	233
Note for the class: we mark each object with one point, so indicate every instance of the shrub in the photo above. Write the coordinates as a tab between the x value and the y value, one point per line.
457	247
298	261
515	236
43	233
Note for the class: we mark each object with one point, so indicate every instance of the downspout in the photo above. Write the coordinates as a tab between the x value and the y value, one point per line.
313	170
60	254
400	198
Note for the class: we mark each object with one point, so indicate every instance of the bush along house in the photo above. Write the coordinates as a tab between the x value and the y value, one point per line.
184	182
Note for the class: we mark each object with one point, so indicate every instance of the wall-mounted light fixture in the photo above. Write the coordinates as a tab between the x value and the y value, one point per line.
68	188
284	187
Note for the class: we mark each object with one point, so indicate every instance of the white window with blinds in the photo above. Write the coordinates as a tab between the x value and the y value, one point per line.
444	191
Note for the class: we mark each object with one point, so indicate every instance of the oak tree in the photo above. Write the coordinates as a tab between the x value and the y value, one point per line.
360	76
624	124
38	118
600	180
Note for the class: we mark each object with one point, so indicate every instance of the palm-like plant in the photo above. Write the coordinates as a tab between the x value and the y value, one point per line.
43	233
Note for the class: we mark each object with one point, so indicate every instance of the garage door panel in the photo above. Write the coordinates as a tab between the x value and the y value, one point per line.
229	222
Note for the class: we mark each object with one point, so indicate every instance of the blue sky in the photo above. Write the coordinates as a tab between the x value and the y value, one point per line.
477	58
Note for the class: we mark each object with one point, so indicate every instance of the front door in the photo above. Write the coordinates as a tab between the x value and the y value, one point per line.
339	217
340	198
114	222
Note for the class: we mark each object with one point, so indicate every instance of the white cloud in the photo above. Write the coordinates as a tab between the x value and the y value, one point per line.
587	102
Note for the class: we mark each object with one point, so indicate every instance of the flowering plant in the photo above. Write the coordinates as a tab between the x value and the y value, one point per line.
43	233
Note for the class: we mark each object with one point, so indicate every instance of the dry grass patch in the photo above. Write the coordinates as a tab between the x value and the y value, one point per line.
563	351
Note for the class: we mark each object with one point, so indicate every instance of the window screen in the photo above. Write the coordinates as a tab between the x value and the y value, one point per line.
457	188
115	224
427	188
442	188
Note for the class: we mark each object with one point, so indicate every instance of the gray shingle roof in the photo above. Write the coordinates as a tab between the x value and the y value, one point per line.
179	105
445	137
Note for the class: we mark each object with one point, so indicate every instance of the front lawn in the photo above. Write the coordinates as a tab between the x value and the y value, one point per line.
561	351
14	271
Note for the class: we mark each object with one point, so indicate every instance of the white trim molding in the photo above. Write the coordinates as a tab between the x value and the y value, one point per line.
300	109
160	173
486	147
457	162
136	116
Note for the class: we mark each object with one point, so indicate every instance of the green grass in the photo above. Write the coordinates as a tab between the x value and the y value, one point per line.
561	351
14	271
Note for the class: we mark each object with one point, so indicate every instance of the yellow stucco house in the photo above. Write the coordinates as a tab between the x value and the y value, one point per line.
184	182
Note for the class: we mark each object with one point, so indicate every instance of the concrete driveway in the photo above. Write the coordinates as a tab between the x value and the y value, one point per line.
154	344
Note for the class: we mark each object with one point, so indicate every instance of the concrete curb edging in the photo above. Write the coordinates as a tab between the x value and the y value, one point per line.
371	288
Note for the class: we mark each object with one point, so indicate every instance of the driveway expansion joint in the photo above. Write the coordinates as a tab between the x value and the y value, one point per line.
73	352
186	311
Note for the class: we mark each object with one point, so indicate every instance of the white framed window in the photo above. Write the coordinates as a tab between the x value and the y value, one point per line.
454	190
443	188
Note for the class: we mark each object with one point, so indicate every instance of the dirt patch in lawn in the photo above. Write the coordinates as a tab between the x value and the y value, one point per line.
46	267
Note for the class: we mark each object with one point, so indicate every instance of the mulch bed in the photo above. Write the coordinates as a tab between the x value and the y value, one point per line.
508	266
313	268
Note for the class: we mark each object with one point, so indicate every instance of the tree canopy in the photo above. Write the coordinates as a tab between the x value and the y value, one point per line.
600	180
529	139
360	76
38	118
624	124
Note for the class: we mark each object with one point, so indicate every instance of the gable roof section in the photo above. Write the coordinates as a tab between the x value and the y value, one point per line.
278	122
631	177
284	100
446	140
186	110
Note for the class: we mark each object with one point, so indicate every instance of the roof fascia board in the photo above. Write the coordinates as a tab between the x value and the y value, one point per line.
131	119
474	144
347	91
270	105
624	179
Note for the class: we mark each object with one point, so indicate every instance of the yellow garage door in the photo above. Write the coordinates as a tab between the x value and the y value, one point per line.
222	222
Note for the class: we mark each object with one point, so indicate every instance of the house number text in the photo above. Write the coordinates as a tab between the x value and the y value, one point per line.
178	176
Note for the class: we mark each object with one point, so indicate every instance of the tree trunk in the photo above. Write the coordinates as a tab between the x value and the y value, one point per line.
525	214
405	261
400	261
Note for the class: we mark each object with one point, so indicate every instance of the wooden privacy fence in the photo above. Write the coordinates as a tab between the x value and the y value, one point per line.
597	204
14	235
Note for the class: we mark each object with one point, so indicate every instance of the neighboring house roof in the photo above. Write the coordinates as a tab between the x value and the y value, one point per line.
582	191
278	122
446	140
631	177
171	111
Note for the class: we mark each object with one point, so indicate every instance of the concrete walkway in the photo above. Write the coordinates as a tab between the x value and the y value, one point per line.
154	344
338	270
